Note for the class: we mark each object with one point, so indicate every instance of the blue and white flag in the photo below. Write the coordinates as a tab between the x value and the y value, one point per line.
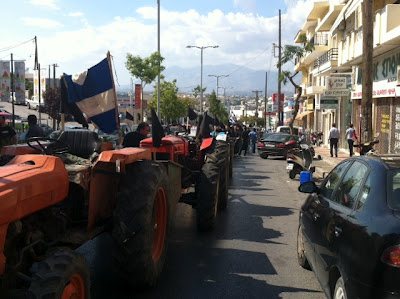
232	118
93	92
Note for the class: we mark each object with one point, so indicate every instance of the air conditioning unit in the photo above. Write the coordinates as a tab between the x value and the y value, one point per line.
398	75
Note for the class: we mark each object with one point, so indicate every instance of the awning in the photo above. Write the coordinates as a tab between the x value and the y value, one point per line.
301	115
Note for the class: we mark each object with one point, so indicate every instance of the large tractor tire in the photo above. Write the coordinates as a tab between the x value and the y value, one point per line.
63	274
207	194
141	224
222	154
231	155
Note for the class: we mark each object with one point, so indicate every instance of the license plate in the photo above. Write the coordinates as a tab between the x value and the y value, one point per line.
289	166
269	145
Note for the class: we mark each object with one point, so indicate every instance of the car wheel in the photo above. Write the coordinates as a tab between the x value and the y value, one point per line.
301	257
264	156
340	291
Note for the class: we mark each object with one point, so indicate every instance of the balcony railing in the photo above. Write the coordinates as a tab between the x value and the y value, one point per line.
320	40
331	55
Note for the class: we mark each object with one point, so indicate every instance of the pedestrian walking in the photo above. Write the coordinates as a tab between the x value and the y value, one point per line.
351	135
237	134
34	129
245	144
333	139
253	140
7	133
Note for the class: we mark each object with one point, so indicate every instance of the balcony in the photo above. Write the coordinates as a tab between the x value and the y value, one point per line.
334	10
328	60
387	25
314	89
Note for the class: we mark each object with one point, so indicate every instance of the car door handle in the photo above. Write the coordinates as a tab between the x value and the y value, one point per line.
338	231
316	216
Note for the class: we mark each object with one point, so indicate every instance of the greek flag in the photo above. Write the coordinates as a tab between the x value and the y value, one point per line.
232	119
93	92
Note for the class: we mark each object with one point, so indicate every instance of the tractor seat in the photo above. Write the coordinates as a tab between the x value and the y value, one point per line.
82	143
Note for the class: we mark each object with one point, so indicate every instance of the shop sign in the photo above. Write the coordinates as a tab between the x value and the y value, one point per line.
384	77
329	103
336	92
310	104
336	83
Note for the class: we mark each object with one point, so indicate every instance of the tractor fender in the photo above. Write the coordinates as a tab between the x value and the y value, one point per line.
206	143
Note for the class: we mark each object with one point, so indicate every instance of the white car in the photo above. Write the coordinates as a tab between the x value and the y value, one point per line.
33	103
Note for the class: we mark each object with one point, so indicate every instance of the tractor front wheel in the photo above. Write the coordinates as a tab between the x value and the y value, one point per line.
64	274
141	224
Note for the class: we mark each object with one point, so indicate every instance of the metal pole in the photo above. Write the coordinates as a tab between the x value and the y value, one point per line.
265	103
279	73
39	95
12	90
201	82
217	86
159	65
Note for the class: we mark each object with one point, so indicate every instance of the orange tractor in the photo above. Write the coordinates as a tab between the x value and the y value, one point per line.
55	195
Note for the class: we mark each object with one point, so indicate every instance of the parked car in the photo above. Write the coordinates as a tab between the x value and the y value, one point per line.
286	129
33	103
349	229
276	144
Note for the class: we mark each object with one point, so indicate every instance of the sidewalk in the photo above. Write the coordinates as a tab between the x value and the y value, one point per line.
327	163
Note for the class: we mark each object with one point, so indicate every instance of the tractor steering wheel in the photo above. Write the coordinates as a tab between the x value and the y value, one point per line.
55	147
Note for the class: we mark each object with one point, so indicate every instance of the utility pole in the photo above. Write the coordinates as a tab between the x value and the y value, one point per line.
367	71
256	92
218	76
265	103
12	90
279	71
54	74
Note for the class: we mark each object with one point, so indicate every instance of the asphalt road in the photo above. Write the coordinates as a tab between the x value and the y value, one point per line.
252	253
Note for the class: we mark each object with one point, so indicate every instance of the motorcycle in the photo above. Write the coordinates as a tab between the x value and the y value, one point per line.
367	148
316	138
300	159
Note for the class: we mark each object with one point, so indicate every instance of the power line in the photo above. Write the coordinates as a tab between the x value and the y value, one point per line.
16	45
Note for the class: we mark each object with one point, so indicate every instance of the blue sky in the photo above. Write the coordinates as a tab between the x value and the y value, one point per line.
77	34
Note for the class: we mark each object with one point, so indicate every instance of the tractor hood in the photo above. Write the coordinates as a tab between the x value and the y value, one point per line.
29	183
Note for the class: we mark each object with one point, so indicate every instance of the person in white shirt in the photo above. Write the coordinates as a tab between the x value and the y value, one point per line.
351	135
333	139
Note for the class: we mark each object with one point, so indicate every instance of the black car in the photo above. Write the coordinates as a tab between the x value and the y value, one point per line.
349	229
276	144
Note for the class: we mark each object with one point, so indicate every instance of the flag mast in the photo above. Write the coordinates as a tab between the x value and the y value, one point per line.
116	100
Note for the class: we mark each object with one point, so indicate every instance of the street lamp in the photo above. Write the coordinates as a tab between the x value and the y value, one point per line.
218	76
201	73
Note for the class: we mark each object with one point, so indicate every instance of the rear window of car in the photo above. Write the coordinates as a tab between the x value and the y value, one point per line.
393	189
287	130
277	137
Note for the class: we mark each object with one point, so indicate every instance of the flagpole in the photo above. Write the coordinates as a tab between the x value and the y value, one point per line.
116	100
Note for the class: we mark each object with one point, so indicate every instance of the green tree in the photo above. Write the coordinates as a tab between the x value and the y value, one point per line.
52	101
252	120
217	109
172	108
289	53
145	69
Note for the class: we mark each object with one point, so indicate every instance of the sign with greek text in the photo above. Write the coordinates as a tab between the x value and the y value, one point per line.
336	83
336	92
329	103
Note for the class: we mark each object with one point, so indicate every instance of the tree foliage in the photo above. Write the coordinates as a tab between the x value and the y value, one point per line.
145	69
217	109
52	102
172	108
289	53
252	120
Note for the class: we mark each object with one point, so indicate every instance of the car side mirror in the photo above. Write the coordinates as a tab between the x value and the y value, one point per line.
308	187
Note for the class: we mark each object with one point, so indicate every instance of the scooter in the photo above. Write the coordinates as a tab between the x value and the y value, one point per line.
368	147
300	159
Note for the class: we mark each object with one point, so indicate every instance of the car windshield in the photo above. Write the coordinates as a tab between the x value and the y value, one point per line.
393	189
277	137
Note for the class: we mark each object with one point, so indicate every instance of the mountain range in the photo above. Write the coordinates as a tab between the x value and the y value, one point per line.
241	81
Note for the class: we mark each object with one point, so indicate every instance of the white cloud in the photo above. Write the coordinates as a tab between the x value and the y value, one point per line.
76	14
45	3
41	23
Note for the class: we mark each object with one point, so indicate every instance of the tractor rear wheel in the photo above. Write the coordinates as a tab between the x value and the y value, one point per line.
64	274
141	224
207	194
222	154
